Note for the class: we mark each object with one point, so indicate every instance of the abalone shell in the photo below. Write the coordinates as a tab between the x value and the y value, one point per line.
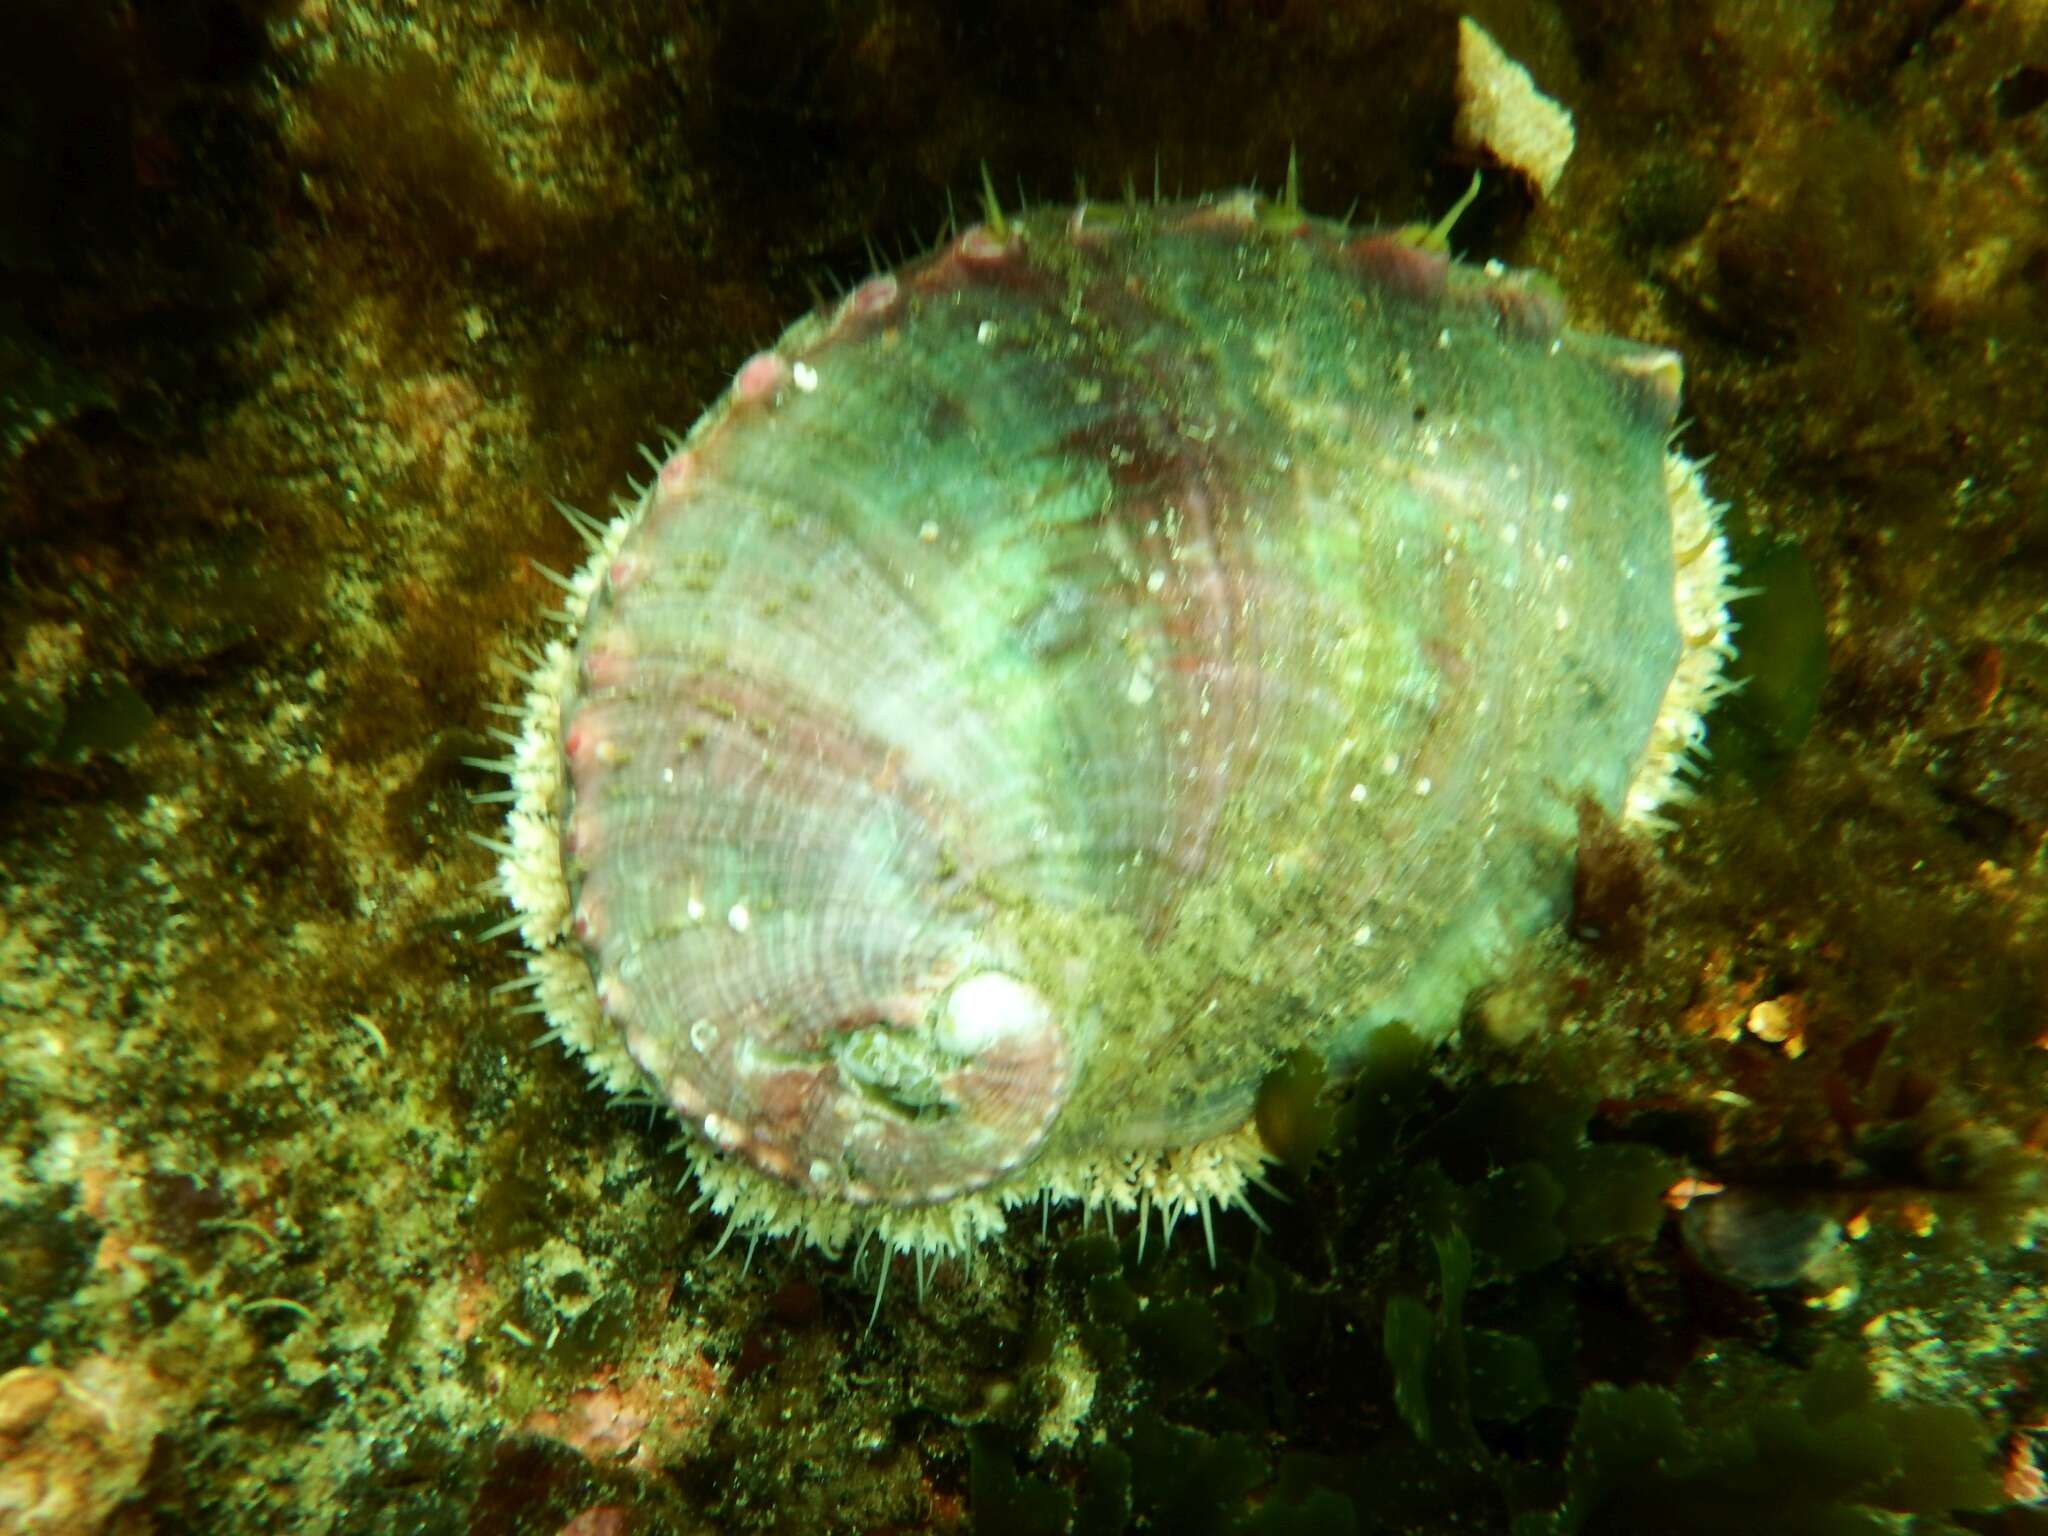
1064	677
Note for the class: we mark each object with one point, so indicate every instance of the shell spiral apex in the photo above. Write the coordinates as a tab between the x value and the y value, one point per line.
1063	677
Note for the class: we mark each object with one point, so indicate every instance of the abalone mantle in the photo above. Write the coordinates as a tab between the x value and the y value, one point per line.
1061	678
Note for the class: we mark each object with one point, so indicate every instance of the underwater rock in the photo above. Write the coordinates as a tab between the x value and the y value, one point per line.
1063	678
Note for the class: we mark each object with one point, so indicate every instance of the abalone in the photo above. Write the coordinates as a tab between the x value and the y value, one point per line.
1064	676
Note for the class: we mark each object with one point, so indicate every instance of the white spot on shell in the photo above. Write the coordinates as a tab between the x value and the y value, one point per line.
987	1009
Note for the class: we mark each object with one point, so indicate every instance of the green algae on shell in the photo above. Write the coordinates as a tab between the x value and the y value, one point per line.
1067	676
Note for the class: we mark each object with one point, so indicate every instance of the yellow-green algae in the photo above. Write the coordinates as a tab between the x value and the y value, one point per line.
363	282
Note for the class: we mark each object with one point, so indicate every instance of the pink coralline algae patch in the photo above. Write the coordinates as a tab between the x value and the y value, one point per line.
1063	678
599	1520
643	1421
73	1444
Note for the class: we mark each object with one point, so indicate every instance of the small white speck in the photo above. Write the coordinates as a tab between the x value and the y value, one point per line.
1559	502
1510	533
1564	619
1443	337
1495	269
703	1035
1155	581
820	1170
1358	794
668	775
739	919
806	377
1390	764
1424	785
1363	936
1431	447
985	332
1556	347
1140	691
1564	562
929	533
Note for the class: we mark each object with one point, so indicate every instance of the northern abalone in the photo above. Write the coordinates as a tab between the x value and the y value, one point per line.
1064	676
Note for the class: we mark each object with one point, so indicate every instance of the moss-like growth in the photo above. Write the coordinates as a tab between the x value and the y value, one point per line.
1834	1459
1501	1243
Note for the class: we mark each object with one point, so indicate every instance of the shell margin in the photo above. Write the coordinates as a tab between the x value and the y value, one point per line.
1703	586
